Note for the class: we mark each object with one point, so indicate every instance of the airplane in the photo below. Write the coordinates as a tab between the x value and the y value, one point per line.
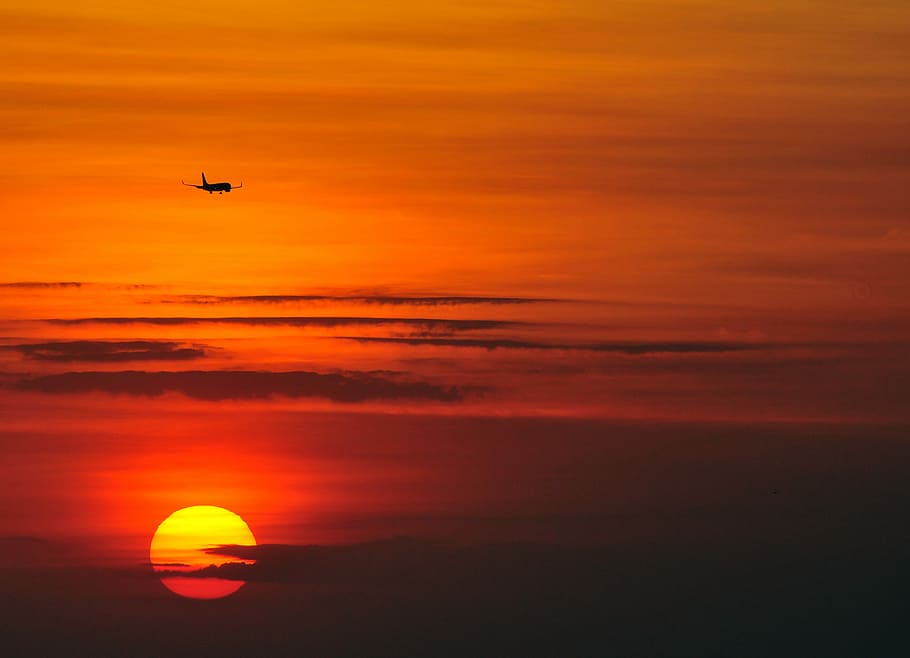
213	187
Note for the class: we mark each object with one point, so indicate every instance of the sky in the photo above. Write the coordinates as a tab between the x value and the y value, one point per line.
624	279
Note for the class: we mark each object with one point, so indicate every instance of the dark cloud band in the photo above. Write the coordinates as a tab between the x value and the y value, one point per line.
31	285
384	300
429	324
110	351
214	385
630	348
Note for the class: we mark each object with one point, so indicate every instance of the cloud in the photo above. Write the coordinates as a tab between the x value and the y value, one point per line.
110	351
170	564
386	559
38	285
30	551
41	284
426	324
213	385
26	539
386	300
630	348
399	560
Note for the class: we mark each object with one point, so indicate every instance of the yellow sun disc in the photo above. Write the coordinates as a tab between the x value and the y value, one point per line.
184	550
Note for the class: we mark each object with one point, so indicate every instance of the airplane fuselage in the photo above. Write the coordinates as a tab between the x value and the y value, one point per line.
217	187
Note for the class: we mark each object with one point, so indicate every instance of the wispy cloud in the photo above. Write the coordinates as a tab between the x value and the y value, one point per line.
397	559
110	351
29	285
213	385
385	300
429	324
631	348
169	564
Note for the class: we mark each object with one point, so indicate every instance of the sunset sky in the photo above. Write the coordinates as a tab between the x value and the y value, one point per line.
594	274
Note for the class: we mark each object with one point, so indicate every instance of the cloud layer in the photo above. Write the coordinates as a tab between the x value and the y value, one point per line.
427	324
627	347
110	351
384	300
215	385
29	285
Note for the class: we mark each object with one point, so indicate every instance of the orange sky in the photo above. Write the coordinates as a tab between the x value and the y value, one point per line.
700	207
694	151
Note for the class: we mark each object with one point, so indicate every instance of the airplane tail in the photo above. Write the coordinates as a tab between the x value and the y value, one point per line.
204	182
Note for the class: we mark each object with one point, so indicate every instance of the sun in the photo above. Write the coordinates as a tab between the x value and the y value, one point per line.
180	550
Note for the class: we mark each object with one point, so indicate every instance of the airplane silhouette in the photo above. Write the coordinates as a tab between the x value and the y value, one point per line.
213	187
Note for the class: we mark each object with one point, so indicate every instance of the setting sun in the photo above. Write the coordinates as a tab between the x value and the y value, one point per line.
183	543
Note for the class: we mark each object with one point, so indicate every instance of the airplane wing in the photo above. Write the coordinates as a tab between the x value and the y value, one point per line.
191	185
239	186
